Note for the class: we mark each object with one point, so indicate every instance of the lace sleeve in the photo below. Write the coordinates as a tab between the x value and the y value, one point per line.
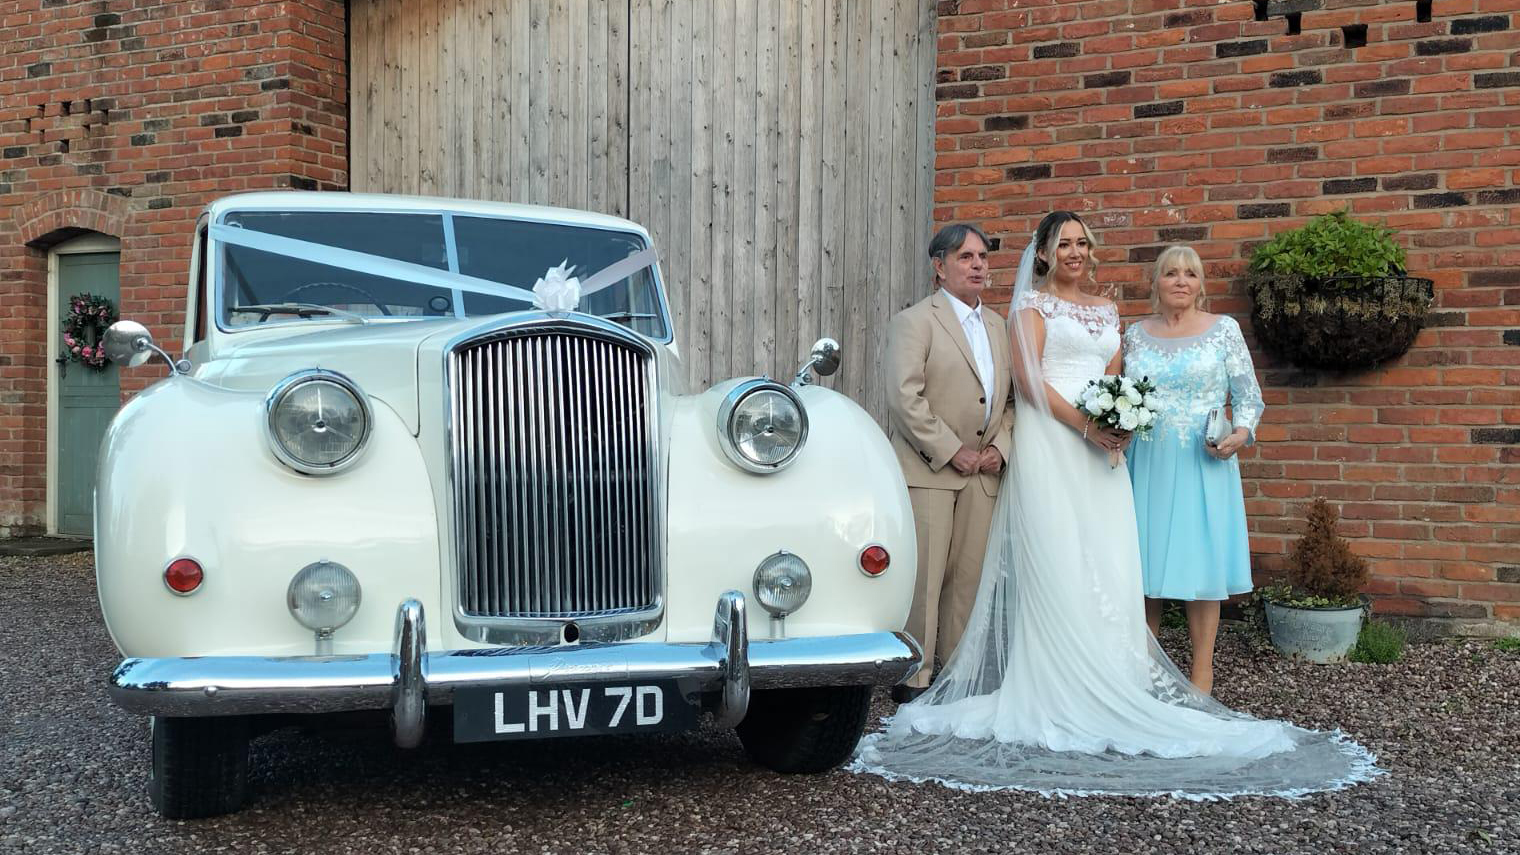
1246	404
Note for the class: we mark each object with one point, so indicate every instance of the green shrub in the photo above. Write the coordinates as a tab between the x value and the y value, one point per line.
1379	642
1508	645
1331	245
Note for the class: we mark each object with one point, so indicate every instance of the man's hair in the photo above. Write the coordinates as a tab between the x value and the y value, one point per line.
950	238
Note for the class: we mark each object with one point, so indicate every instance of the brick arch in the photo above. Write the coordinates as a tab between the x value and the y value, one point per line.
59	215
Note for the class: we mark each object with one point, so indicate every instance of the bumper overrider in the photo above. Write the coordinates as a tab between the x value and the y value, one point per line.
410	678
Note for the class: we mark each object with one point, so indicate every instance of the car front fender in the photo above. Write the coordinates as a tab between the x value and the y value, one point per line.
843	493
186	471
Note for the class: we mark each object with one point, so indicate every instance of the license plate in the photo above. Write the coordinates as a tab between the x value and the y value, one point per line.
571	709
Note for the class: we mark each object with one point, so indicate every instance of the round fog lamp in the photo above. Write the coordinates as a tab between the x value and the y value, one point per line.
318	421
323	596
783	583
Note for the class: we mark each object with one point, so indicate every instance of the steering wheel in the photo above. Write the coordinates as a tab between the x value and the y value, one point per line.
342	286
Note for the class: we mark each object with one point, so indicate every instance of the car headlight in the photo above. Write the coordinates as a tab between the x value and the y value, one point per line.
783	583
323	596
318	421
762	426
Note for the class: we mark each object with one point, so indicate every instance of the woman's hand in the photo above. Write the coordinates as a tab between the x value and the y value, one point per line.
1109	439
1230	444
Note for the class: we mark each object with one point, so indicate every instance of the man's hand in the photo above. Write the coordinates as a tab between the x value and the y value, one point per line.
991	461
966	460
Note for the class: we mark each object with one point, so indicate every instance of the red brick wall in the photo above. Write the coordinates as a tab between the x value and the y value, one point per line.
1191	121
126	118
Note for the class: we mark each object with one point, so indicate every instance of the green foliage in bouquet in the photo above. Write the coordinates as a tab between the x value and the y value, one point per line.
1331	245
1379	643
1322	570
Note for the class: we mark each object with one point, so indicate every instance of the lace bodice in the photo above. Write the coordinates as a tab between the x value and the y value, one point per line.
1194	374
1079	339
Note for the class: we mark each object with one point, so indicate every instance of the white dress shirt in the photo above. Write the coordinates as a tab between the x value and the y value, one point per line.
981	349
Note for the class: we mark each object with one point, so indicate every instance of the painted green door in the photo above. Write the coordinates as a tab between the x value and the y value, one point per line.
87	398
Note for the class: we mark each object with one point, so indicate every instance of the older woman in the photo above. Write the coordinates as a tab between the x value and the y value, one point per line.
1188	502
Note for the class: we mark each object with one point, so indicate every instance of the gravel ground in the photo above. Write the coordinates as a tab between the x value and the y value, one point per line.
73	771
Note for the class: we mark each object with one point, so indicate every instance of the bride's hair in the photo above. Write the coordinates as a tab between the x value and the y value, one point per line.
1048	235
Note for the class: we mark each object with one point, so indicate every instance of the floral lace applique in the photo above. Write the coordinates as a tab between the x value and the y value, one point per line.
1092	318
1195	374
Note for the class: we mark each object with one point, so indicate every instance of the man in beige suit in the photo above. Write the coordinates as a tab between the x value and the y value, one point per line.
949	389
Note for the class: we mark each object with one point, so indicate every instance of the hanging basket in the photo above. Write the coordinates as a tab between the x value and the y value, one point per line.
1341	323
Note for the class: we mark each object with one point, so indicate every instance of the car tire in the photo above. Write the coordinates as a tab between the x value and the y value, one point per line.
200	766
807	730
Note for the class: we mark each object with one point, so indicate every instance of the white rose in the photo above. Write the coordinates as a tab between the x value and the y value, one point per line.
1146	416
1105	402
1124	404
1092	406
1133	395
1129	419
1150	401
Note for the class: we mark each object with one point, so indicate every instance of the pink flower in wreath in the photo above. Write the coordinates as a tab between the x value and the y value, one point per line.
68	340
87	352
76	349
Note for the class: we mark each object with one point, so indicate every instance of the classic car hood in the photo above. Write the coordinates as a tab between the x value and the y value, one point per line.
384	358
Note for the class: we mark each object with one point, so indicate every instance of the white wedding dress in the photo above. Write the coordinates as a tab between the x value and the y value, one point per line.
1057	685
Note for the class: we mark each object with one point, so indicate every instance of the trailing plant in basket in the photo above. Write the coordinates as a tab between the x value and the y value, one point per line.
1334	294
1323	572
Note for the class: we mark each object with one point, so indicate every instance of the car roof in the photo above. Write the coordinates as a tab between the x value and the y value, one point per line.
342	200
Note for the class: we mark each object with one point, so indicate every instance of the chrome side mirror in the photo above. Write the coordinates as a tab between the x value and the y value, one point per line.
128	343
824	360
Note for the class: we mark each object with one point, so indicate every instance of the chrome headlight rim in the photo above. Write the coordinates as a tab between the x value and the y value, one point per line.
295	381
730	405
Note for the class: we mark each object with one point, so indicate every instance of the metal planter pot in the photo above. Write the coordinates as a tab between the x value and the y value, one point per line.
1315	635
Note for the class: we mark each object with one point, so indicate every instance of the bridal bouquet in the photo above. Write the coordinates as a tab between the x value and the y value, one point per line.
1121	403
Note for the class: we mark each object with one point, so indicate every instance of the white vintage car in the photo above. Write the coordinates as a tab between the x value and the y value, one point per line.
411	463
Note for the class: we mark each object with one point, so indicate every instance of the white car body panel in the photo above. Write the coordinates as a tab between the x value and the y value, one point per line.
187	470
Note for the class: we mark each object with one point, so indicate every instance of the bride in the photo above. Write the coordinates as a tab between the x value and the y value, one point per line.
1057	685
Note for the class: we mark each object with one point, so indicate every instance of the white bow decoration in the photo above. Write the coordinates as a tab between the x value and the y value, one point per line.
558	291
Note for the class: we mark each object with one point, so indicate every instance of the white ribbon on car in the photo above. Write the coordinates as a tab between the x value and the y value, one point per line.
406	271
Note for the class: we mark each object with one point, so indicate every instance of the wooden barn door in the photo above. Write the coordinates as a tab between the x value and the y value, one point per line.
780	152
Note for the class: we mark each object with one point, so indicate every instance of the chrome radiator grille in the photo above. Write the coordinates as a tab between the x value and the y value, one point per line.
555	477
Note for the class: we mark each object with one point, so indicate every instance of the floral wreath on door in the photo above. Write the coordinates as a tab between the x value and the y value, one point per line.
84	326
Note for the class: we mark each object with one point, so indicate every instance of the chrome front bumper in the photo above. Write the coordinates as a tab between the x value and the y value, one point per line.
410	678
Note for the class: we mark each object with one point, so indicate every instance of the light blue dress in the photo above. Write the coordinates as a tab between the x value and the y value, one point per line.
1191	514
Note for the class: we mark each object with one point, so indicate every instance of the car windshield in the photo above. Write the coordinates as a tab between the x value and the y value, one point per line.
284	266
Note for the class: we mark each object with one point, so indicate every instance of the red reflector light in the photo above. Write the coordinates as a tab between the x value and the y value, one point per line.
874	560
183	575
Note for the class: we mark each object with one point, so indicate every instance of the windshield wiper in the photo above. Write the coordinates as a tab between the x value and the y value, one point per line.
629	316
303	310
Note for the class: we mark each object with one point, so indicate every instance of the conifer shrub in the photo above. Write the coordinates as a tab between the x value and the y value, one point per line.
1323	572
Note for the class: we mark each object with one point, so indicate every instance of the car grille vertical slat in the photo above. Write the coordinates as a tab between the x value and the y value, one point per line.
555	467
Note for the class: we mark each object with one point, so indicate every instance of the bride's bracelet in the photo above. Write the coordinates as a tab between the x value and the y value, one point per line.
1084	429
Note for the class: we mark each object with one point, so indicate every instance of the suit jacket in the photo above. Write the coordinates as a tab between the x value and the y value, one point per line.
935	397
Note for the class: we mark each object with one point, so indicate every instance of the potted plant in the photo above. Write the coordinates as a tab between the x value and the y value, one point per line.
1317	614
1334	294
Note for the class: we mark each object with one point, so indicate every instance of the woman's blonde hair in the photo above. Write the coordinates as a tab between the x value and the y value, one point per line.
1176	255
